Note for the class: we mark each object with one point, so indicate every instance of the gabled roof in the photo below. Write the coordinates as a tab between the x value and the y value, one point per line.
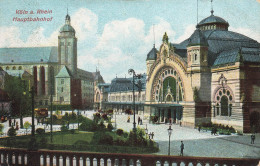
64	73
23	55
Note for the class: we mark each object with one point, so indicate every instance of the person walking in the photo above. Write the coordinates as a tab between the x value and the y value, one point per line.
182	148
252	139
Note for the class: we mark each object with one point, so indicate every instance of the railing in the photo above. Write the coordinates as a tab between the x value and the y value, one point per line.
57	158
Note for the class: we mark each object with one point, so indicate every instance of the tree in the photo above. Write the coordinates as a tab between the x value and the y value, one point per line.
1	128
18	91
196	97
27	125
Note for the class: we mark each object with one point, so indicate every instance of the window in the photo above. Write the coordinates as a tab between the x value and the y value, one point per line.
69	43
61	89
7	68
195	57
62	81
20	68
217	109
14	68
62	43
224	106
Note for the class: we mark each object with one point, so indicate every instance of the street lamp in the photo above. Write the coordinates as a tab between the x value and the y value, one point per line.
169	133
75	95
51	112
131	71
32	144
146	130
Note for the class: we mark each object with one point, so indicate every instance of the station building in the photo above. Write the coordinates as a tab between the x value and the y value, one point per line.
213	76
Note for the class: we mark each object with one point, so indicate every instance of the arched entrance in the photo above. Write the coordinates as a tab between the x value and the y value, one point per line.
167	92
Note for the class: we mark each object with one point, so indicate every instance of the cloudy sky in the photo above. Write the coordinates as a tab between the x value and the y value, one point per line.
116	35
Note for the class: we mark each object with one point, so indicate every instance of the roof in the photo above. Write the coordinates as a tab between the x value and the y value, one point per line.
231	56
67	28
22	55
212	19
197	38
97	77
152	55
64	73
126	84
85	75
220	42
15	73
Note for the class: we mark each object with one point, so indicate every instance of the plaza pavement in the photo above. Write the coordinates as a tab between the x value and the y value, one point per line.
196	143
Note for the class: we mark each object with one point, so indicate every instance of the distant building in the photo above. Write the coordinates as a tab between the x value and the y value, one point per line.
213	76
118	95
54	71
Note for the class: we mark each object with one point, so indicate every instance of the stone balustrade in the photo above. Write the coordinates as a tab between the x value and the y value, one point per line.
63	158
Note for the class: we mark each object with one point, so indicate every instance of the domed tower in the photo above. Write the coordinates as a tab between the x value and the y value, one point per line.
67	47
151	58
213	23
197	51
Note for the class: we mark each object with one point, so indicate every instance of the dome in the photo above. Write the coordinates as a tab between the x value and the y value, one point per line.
152	55
213	19
197	38
67	28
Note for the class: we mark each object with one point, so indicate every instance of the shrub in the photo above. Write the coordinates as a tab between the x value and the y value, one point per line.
64	128
43	141
101	126
1	128
106	139
119	132
11	132
72	131
110	127
120	142
105	117
40	131
232	130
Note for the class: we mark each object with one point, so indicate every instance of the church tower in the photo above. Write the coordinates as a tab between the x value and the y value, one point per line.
67	47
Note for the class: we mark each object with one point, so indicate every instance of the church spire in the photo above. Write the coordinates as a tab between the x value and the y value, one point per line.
67	19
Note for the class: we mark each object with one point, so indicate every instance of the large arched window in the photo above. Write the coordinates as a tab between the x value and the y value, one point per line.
224	99
224	106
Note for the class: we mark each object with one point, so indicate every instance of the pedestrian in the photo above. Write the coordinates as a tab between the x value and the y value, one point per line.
128	119
170	121
199	129
152	134
252	139
180	123
182	148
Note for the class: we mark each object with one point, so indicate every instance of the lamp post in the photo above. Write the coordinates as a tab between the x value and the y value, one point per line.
131	71
51	112
32	144
169	133
146	130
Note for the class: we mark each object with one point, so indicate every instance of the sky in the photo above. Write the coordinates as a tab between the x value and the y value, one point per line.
116	35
